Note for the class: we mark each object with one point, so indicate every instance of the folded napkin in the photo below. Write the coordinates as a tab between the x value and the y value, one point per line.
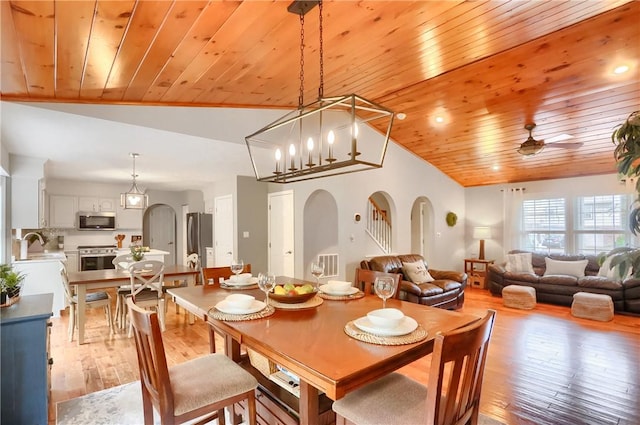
241	278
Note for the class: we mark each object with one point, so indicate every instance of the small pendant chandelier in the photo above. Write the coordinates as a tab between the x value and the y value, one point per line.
328	137
134	198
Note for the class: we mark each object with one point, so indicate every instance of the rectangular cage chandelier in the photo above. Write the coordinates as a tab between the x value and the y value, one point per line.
331	136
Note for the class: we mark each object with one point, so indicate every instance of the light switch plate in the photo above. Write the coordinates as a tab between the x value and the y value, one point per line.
245	235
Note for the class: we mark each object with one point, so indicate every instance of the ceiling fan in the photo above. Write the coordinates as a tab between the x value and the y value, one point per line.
532	146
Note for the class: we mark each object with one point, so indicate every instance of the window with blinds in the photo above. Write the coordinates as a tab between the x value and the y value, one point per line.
601	223
580	225
544	225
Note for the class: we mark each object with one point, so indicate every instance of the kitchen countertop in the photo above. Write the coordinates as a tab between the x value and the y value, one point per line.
152	251
41	257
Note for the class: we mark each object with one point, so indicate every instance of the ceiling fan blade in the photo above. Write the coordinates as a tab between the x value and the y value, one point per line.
573	145
560	138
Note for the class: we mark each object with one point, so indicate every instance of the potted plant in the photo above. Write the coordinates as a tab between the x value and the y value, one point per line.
137	253
626	137
10	284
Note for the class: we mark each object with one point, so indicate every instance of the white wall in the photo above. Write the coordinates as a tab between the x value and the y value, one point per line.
404	177
484	205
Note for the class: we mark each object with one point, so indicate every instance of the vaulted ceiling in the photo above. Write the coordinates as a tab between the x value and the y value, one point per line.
468	75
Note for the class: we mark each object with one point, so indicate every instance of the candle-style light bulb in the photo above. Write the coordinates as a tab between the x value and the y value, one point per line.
292	154
310	150
355	130
278	158
331	137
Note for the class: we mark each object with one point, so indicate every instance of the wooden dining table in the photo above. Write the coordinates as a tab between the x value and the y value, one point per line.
113	278
312	344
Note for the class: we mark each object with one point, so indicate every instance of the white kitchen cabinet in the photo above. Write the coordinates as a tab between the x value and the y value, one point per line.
210	258
62	211
43	204
129	219
42	277
96	204
72	261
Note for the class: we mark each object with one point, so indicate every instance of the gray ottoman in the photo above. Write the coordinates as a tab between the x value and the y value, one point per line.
592	306
516	296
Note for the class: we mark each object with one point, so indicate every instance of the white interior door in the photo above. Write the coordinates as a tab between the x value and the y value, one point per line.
223	225
281	234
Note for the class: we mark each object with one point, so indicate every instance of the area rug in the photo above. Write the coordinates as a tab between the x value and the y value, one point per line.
122	405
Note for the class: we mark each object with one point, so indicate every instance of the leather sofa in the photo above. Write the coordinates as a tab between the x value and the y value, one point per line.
446	291
559	289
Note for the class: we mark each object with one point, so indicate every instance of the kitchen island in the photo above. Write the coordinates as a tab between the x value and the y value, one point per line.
42	276
152	254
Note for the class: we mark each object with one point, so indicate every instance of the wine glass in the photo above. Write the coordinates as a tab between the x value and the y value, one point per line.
266	282
384	287
317	270
236	267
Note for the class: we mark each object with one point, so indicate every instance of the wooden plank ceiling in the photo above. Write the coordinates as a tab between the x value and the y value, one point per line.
485	67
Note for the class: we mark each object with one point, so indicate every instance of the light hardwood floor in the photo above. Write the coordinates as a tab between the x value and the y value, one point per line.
544	366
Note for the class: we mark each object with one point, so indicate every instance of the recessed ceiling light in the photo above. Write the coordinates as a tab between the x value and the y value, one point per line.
401	115
621	69
495	167
439	119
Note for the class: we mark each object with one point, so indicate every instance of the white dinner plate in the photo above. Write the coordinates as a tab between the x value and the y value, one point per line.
255	307
327	290
407	326
250	281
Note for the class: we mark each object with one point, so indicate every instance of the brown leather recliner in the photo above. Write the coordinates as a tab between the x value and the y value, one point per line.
446	291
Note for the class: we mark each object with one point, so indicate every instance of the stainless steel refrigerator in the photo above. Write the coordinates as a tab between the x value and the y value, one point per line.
199	233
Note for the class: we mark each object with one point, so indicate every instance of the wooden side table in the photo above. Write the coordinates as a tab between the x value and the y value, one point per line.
476	269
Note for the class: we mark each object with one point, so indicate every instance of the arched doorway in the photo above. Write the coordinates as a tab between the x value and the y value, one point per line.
422	227
321	232
159	230
379	222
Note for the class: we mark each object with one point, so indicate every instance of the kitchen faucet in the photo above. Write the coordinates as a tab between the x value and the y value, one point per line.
24	244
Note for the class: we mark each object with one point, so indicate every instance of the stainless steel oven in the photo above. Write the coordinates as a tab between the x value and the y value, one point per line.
96	257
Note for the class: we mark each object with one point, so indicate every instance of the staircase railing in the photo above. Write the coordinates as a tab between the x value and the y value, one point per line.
379	226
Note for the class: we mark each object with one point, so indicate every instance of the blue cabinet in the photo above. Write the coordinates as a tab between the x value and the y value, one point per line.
24	373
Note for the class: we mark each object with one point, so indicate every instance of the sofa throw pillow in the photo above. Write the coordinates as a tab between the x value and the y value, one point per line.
570	268
611	273
519	263
417	272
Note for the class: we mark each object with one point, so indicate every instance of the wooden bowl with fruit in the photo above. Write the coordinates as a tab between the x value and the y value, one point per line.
292	294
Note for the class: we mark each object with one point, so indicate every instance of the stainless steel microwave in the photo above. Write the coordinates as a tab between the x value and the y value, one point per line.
96	221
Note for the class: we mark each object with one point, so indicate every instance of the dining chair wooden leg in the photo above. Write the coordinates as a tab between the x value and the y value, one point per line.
251	408
147	407
109	319
161	316
72	321
222	417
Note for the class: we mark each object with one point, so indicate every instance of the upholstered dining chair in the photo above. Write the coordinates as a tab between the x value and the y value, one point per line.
365	280
216	273
147	278
92	300
452	396
122	262
199	388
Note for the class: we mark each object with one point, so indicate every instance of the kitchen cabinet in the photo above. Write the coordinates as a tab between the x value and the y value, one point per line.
25	361
27	185
129	218
24	203
96	204
62	211
72	261
42	276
